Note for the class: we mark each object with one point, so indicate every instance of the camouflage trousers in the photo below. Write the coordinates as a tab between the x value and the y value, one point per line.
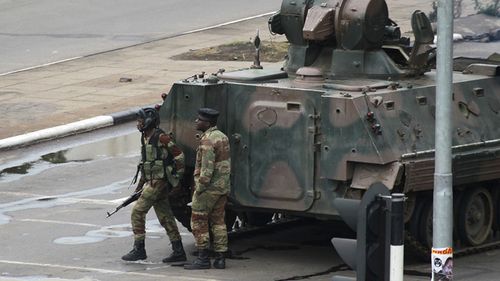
156	196
208	211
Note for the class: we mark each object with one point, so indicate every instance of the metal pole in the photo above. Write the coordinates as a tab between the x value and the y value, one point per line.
442	248
397	234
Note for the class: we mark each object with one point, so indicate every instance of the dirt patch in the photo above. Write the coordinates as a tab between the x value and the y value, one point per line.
241	51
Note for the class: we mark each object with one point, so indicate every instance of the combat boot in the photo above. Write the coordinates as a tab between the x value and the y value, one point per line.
220	260
177	254
202	262
137	253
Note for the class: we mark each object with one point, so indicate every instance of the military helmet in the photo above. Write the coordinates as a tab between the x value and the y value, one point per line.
150	116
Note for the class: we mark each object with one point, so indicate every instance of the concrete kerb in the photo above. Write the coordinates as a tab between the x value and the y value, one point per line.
103	120
95	122
68	129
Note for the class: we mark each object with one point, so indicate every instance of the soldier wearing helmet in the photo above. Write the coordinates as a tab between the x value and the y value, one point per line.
211	176
161	167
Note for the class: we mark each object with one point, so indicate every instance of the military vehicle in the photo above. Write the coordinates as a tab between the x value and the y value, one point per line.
353	104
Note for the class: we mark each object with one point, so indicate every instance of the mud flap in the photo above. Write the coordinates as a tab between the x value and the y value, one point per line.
368	174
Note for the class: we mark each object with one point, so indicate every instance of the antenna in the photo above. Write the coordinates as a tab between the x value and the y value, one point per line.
256	61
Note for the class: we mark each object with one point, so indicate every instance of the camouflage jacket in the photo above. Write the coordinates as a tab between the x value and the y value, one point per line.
213	163
161	158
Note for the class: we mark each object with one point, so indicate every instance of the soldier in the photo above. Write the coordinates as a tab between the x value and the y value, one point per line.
161	167
211	176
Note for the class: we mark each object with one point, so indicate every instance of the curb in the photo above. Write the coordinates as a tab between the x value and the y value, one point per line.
98	121
68	129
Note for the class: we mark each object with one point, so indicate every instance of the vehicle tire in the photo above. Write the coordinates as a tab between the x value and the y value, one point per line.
425	223
475	218
414	223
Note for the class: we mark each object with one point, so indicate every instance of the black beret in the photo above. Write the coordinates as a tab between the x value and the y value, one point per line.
208	114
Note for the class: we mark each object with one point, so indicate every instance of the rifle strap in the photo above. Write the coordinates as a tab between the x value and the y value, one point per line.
134	180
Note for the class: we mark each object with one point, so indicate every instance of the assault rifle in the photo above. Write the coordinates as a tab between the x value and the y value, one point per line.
127	201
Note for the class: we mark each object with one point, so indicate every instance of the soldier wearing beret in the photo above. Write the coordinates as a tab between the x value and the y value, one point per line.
211	176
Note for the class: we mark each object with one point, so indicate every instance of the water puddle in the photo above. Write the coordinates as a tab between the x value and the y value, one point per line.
85	149
153	230
52	201
120	146
94	236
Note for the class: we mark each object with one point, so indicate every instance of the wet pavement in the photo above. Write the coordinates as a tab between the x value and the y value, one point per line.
54	226
54	196
112	147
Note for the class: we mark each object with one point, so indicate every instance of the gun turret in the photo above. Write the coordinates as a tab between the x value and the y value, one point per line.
345	38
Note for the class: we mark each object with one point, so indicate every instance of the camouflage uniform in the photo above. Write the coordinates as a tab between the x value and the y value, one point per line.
156	189
211	176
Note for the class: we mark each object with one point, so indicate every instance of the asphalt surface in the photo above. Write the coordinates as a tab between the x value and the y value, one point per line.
84	88
36	32
54	226
87	87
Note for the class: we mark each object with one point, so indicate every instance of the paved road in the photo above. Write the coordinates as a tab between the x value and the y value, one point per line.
53	221
84	88
38	32
53	201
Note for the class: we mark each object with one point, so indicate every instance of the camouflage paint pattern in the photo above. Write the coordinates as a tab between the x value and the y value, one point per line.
213	163
298	149
208	211
154	194
211	177
153	168
298	141
178	155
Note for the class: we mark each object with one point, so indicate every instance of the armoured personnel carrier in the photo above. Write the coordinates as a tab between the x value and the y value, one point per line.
353	104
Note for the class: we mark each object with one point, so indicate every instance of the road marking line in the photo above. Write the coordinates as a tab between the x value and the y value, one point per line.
90	201
227	23
60	222
147	42
22	194
68	199
40	65
107	271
